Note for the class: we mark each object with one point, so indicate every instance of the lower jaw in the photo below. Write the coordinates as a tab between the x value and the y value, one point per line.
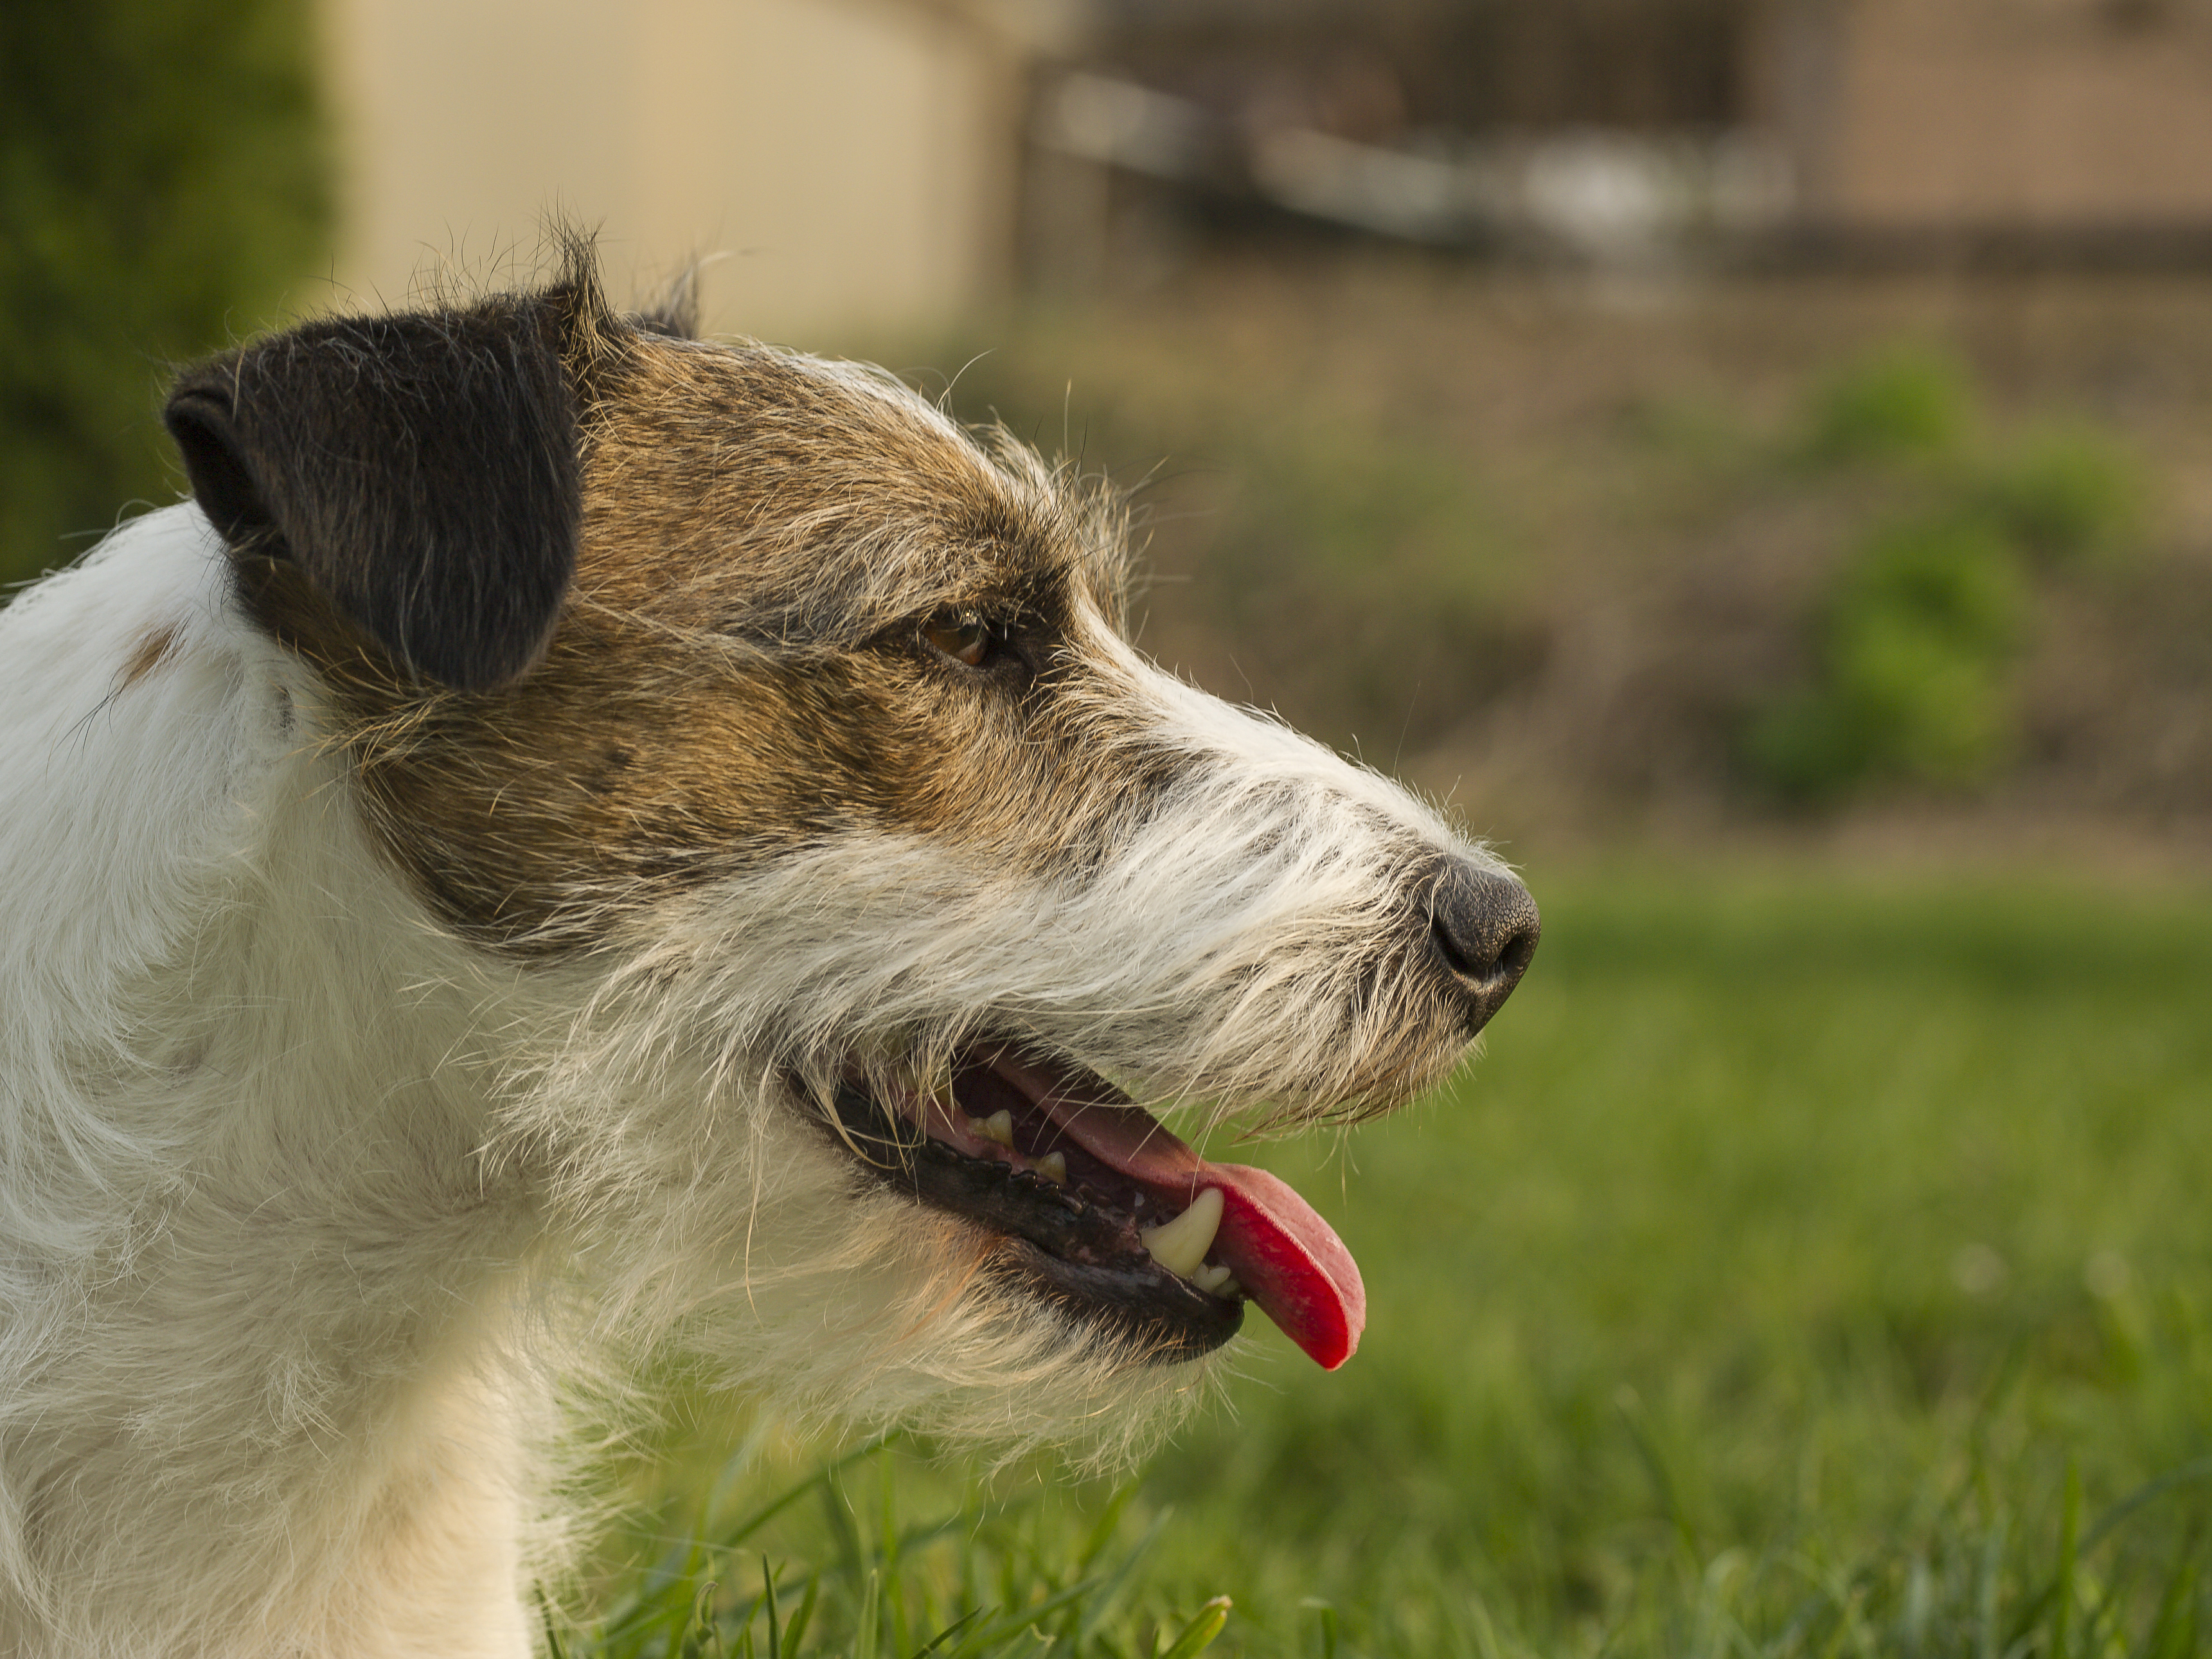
1127	1306
1054	1245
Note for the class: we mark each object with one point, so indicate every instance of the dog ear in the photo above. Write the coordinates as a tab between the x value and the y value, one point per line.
420	470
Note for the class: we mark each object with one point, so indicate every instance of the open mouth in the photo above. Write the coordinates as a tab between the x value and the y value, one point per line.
1105	1211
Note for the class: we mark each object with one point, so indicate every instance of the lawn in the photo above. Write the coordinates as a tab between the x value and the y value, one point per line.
1811	1265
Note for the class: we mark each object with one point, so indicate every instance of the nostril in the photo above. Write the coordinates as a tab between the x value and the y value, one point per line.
1520	946
1453	952
1484	926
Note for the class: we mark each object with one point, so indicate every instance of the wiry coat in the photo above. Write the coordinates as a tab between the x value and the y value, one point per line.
448	865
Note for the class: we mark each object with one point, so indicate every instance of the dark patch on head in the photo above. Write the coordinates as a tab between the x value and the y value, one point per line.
604	774
418	470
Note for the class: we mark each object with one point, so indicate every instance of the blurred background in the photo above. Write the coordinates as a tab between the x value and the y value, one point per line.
1631	417
1752	457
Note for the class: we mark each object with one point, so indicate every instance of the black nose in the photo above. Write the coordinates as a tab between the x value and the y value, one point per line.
1483	927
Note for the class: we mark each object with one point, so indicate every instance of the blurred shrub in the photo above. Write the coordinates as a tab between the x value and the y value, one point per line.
163	179
2067	494
1913	645
1914	640
1899	403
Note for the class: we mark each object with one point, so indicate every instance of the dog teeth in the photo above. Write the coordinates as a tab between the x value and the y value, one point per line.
1217	1280
1053	1166
1181	1245
999	1127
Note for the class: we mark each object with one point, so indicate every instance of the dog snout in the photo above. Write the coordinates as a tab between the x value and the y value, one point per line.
1482	927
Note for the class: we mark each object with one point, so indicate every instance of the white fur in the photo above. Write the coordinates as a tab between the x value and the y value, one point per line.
305	1205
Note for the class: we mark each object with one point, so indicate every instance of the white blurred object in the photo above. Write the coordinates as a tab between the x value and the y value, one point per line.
1607	196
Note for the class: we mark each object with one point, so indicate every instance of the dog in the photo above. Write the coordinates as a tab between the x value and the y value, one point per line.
578	837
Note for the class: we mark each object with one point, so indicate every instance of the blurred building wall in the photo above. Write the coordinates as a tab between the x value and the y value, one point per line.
842	164
2050	115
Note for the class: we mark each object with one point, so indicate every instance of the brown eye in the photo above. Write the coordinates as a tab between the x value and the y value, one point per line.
960	635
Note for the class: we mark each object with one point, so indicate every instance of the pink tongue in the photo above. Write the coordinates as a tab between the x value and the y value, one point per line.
1288	1259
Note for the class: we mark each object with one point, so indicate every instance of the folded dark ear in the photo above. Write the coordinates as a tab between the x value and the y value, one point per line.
420	470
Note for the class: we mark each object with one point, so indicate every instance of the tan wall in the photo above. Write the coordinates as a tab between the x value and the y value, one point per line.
845	165
2053	113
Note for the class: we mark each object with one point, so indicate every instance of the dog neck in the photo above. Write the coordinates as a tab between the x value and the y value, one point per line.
254	1063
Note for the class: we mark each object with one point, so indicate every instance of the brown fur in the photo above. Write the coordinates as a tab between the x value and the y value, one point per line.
152	650
739	667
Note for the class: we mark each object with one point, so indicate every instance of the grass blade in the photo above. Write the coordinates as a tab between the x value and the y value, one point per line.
2070	1539
1198	1635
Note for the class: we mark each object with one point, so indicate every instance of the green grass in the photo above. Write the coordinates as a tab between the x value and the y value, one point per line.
1809	1267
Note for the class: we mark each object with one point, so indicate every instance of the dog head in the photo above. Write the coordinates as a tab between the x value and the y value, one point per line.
779	738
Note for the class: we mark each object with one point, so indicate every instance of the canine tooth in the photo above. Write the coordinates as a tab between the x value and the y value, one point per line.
1053	1166
999	1127
1180	1245
1214	1278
